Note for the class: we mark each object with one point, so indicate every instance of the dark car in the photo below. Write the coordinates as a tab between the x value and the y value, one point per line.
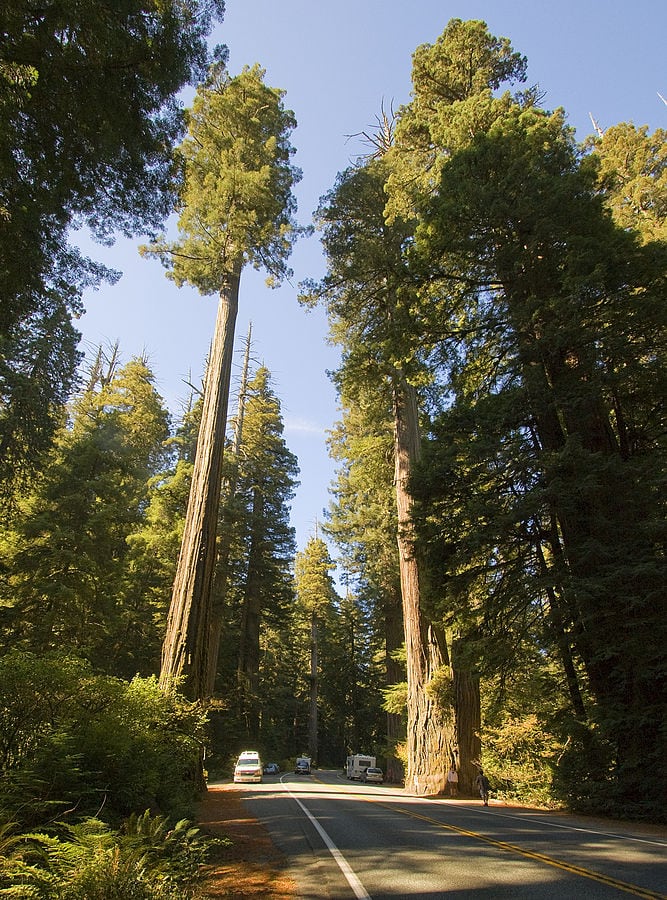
271	769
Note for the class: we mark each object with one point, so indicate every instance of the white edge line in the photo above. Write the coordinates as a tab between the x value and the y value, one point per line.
359	890
612	834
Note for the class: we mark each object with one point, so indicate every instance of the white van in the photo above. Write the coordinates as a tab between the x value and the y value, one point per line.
248	767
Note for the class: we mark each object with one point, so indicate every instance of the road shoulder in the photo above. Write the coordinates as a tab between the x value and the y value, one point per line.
251	865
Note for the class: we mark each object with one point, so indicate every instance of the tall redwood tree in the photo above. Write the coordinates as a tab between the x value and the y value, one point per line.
236	207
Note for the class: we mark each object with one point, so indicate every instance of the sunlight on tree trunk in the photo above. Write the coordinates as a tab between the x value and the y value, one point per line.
429	736
185	650
221	578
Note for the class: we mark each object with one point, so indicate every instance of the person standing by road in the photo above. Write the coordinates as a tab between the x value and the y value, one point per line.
482	783
453	781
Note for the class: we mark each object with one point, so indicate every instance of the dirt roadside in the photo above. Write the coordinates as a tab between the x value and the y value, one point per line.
251	866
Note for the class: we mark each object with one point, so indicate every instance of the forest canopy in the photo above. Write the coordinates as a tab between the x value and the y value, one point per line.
89	115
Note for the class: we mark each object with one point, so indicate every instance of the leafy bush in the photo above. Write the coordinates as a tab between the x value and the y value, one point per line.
90	744
518	758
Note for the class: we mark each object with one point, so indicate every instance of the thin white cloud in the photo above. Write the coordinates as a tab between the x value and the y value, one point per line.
304	426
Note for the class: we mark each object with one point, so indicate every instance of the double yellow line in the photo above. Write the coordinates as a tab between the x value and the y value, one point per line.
531	854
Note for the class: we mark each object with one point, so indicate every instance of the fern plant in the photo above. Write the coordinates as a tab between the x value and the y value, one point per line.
149	859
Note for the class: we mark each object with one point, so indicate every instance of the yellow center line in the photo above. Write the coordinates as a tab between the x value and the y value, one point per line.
531	854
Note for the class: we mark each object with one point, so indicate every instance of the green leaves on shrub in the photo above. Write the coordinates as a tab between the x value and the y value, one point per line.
90	744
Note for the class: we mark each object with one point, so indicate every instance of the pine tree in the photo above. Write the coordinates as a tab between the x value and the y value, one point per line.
315	597
66	554
265	485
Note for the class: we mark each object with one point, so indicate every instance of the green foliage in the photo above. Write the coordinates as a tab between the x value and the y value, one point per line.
367	292
362	516
351	660
519	758
585	778
38	362
396	698
631	168
88	119
552	342
266	481
236	203
70	579
147	859
154	545
315	589
454	81
89	743
466	61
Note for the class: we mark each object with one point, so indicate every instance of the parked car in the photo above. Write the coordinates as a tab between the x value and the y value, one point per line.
271	769
373	774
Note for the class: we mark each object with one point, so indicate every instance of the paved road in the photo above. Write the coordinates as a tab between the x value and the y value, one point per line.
347	840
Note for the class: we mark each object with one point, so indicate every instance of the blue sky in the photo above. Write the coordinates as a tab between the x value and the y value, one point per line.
339	63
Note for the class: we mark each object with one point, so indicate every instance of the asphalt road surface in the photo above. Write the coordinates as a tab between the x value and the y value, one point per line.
374	842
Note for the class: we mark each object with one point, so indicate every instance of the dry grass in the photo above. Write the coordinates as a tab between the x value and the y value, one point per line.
251	866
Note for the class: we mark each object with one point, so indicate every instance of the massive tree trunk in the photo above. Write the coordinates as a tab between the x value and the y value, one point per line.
468	715
222	567
429	736
185	650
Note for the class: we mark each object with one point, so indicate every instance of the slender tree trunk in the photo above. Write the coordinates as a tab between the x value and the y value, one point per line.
429	738
186	645
312	710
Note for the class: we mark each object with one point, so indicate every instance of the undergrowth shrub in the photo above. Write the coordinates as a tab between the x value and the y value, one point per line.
147	859
519	755
74	744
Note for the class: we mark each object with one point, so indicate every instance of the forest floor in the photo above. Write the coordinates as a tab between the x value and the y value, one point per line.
250	866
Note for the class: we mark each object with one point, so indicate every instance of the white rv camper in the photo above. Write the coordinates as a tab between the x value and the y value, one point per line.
302	765
356	765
